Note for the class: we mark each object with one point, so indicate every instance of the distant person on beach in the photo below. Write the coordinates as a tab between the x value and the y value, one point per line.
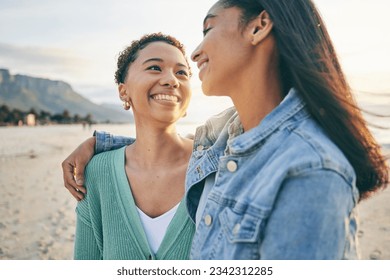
279	175
134	207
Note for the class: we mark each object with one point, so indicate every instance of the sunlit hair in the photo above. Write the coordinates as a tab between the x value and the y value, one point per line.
130	53
308	62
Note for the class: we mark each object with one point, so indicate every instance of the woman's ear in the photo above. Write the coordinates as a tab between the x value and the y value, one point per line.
122	91
260	27
123	96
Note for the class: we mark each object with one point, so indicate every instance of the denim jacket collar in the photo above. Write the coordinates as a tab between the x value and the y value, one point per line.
221	126
290	107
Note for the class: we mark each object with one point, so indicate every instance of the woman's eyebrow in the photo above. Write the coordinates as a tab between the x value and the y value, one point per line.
153	59
161	60
181	65
207	17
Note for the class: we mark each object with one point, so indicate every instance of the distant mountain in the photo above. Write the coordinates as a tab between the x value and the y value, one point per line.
25	92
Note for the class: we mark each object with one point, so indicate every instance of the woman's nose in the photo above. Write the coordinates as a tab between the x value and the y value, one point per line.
169	80
195	54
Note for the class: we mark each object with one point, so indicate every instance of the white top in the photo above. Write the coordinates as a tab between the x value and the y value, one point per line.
155	228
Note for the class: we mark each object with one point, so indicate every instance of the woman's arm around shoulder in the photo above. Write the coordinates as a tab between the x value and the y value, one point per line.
74	165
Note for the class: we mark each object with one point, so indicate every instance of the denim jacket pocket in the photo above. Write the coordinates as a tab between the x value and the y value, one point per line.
242	233
240	227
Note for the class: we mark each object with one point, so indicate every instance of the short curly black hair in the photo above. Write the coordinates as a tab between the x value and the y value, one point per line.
130	53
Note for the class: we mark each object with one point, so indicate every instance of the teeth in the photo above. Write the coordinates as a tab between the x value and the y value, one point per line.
165	97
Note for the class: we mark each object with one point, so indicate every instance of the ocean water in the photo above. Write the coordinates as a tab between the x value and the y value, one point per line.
379	125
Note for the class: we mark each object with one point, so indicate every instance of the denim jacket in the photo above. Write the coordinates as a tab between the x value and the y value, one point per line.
282	190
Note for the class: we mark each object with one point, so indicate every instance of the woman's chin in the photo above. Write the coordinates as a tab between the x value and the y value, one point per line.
208	91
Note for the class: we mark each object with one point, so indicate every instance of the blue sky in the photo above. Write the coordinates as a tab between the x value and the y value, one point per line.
78	40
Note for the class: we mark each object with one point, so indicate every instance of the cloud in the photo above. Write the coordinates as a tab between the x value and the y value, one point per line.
39	59
43	56
52	63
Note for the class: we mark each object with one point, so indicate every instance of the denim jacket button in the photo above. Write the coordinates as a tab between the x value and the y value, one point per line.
231	166
208	220
200	148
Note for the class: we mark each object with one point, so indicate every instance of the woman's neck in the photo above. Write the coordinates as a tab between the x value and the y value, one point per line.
155	147
258	89
258	94
254	103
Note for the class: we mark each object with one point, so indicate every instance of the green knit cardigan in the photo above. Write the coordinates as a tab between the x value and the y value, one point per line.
108	225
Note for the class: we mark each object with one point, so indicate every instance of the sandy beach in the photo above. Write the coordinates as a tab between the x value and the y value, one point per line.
37	218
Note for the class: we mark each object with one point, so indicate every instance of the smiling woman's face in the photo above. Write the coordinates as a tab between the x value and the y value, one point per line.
158	84
223	53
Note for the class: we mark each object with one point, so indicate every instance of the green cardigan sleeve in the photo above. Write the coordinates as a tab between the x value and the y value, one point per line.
88	239
85	247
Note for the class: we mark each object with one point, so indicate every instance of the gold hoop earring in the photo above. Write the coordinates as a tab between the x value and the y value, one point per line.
126	105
